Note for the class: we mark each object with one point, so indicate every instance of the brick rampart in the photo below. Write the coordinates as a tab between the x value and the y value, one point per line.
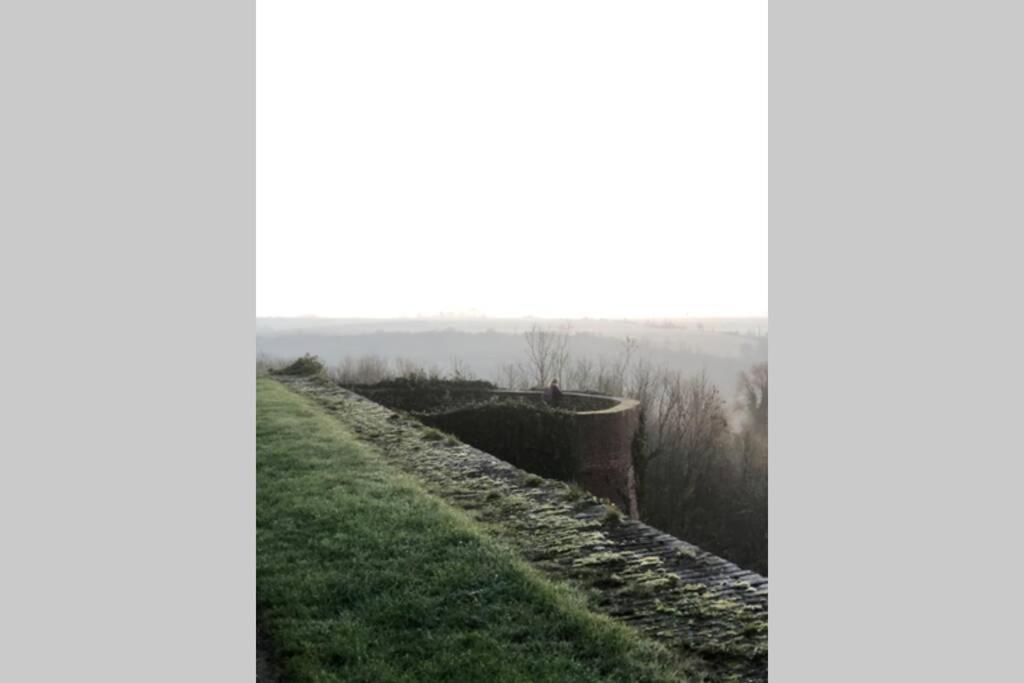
588	439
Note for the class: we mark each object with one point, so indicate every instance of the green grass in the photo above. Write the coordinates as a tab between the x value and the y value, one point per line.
574	492
363	576
431	434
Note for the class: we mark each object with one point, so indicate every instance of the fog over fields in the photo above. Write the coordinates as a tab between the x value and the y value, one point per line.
722	346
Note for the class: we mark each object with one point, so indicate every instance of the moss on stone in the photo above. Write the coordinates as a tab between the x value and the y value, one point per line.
600	558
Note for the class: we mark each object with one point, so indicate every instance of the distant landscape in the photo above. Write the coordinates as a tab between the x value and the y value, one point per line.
483	348
702	384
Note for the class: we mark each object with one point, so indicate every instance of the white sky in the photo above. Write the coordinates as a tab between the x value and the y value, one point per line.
417	157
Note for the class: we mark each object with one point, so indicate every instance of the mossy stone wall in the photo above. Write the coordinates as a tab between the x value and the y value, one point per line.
587	439
527	435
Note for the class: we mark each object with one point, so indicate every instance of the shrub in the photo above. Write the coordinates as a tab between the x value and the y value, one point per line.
612	516
306	366
266	365
574	492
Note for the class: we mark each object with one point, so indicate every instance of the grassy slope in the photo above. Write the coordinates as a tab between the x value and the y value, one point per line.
363	576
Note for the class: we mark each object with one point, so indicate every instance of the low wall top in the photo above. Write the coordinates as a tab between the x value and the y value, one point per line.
595	403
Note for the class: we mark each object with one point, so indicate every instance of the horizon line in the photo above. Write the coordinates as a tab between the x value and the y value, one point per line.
466	316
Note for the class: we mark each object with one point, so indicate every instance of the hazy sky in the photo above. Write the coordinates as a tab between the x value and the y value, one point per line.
602	159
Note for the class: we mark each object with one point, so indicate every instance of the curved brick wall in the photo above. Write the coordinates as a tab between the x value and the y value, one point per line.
605	440
589	440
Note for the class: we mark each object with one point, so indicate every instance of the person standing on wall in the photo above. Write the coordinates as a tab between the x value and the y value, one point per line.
553	394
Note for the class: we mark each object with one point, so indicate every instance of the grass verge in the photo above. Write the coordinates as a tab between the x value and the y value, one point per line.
363	576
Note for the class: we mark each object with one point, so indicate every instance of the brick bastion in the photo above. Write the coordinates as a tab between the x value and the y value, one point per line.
588	439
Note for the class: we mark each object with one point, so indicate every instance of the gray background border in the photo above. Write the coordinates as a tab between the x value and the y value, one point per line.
894	218
127	491
127	484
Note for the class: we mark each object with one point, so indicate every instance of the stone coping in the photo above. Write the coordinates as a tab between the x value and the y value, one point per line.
618	404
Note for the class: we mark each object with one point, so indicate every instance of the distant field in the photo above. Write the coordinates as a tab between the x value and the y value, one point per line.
363	576
723	348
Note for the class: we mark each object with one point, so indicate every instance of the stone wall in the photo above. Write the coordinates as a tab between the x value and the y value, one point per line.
605	438
588	439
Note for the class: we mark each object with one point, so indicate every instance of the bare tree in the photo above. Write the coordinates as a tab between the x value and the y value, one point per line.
345	373
372	369
362	370
434	372
687	427
607	377
514	376
408	369
613	376
642	382
753	396
630	346
581	375
266	363
461	370
547	353
752	439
